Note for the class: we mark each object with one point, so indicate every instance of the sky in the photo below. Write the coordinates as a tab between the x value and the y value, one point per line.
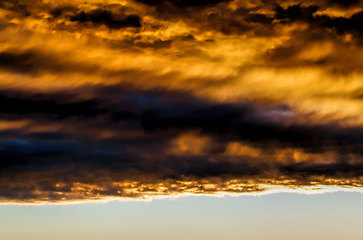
155	100
282	216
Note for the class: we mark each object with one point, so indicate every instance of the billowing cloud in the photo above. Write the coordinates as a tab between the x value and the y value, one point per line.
161	98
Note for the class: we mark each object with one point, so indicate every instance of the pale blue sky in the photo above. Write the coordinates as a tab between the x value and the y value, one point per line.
278	216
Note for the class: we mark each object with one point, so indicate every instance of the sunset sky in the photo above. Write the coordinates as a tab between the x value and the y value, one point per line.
132	101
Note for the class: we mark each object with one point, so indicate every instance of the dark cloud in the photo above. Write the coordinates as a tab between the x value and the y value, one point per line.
28	61
62	10
18	6
145	125
339	169
339	39
258	18
227	25
296	13
34	61
193	13
181	3
342	24
344	3
111	20
161	112
306	14
245	124
50	108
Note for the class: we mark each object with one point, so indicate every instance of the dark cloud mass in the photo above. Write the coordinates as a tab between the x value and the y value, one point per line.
167	97
344	3
161	118
99	16
182	3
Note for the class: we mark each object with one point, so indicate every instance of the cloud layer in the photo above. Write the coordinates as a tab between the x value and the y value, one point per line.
144	98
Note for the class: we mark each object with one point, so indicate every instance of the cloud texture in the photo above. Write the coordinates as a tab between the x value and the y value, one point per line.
143	98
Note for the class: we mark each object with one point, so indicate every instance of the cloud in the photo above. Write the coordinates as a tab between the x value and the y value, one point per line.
161	98
342	3
306	14
28	106
258	18
109	19
88	163
35	61
178	3
18	6
296	13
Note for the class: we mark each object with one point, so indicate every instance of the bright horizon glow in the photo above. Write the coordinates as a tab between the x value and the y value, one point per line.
271	189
